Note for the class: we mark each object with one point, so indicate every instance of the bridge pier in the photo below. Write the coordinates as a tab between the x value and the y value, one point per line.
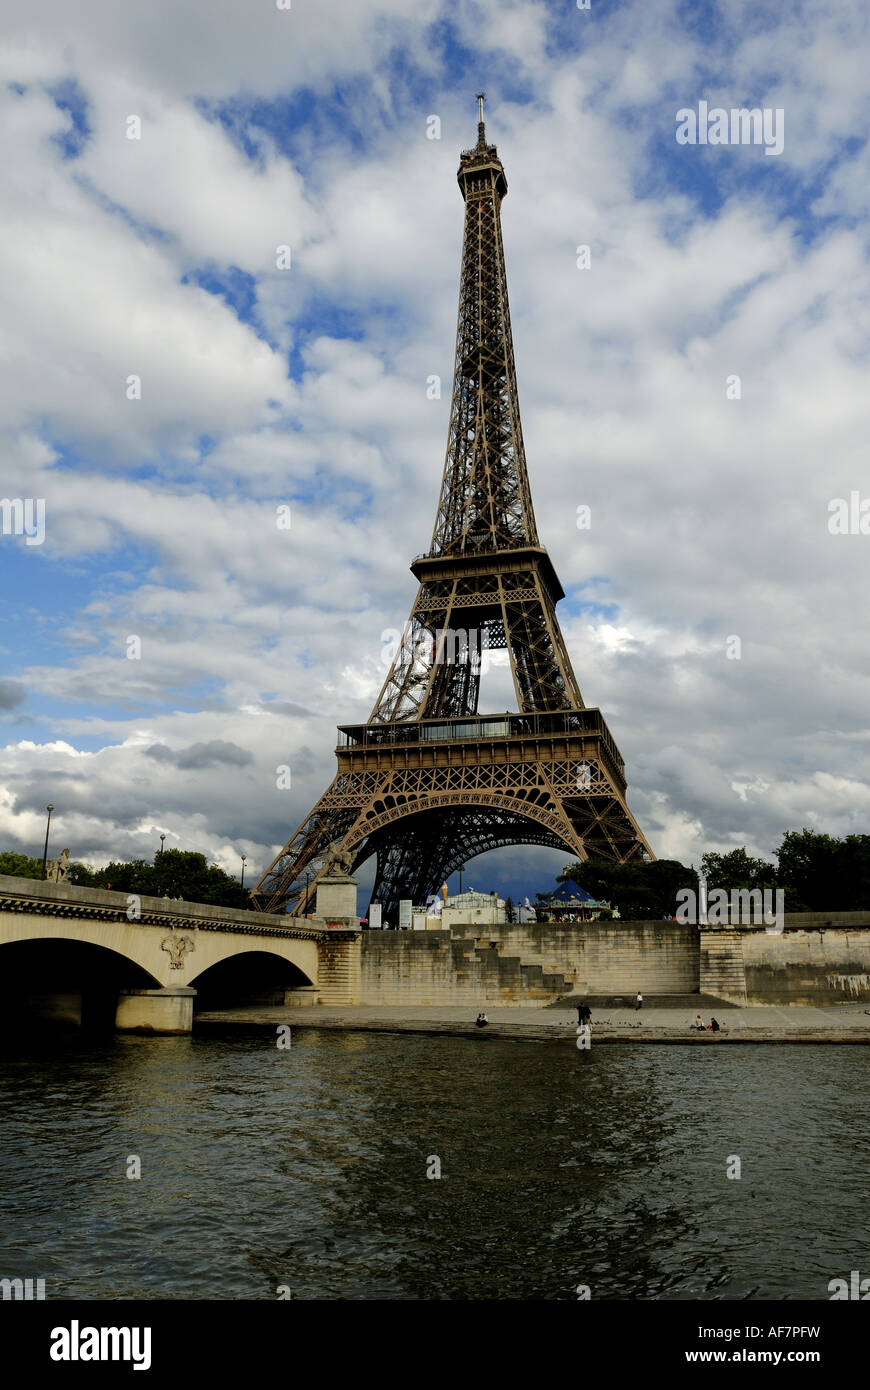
155	1010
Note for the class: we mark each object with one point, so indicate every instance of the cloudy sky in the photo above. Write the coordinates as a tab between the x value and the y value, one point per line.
265	387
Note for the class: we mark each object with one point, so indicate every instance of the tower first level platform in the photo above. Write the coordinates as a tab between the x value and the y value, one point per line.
427	796
561	772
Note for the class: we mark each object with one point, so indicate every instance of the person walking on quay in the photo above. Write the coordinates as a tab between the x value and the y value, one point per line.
638	1003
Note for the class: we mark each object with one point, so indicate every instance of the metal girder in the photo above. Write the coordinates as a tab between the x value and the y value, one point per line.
486	583
485	506
420	819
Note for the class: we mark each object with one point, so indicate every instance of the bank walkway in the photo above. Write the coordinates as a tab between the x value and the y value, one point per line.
842	1023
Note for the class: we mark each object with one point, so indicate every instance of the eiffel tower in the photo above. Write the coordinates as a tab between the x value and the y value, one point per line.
428	782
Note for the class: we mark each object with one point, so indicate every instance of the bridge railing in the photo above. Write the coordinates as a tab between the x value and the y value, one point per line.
72	900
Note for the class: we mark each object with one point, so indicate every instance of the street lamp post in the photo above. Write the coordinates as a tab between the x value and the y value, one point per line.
307	877
461	867
244	860
49	809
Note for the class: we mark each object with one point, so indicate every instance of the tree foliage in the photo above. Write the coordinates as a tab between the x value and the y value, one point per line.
817	873
175	872
638	889
20	865
737	869
824	874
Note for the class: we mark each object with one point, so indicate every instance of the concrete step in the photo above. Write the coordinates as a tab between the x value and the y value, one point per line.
697	1002
556	984
502	977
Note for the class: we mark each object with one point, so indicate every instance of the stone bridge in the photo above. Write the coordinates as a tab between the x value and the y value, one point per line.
147	959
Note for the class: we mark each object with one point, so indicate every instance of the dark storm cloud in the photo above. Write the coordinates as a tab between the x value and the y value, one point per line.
113	805
201	755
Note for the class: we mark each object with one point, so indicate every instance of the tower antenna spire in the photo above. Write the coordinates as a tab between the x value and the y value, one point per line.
481	98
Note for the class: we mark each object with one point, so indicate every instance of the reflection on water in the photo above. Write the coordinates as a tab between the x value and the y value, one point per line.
307	1168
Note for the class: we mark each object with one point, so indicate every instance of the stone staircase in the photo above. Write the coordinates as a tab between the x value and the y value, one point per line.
484	972
722	971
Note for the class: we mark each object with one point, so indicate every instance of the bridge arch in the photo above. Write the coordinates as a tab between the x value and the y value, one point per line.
416	839
104	934
247	976
536	811
63	979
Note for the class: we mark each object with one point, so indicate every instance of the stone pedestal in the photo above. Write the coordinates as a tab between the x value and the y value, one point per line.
155	1010
336	898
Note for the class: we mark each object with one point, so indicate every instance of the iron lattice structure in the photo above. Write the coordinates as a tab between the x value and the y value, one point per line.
428	783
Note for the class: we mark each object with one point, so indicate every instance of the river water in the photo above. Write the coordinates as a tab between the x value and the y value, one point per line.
307	1168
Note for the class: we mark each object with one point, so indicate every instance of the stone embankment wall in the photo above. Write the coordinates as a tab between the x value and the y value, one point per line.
818	959
410	967
612	957
530	964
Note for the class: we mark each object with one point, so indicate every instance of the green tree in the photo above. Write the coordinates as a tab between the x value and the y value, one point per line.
175	873
824	874
638	889
20	865
25	866
853	866
737	869
665	878
79	874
